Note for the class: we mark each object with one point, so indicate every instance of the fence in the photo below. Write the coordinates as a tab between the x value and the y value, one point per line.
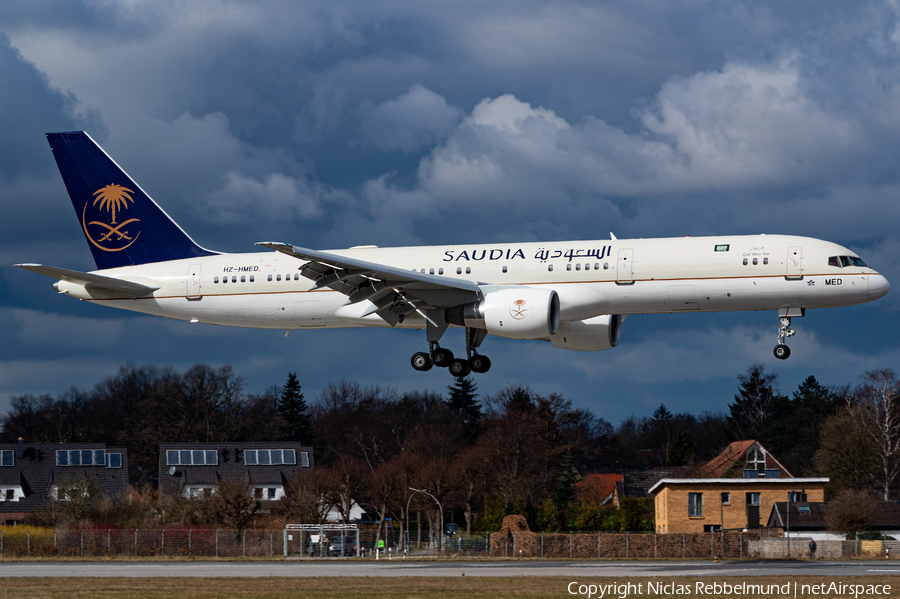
179	542
596	545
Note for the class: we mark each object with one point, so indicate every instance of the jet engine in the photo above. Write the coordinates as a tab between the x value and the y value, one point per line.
517	313
593	334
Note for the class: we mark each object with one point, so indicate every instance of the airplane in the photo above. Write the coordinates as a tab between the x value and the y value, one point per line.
574	294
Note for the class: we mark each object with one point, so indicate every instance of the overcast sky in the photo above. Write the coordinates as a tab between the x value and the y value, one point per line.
331	124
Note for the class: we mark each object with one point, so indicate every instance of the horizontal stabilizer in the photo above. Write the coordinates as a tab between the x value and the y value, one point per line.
90	280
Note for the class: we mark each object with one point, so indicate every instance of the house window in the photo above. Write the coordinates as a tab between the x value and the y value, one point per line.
756	459
9	494
695	505
304	459
712	528
803	509
80	457
269	457
192	457
753	499
8	457
797	496
726	498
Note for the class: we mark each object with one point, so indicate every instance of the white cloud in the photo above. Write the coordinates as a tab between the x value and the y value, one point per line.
418	118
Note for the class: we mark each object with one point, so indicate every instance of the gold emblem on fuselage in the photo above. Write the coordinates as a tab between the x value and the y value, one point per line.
110	236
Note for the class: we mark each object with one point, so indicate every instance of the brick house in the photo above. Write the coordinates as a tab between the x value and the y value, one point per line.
31	473
195	469
711	504
737	488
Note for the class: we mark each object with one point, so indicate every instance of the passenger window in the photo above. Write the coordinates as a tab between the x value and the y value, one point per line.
833	261
278	277
422	271
755	261
606	266
578	266
845	261
550	267
568	267
504	269
243	279
745	262
216	280
431	271
251	278
459	270
468	270
234	279
765	260
596	266
440	271
270	277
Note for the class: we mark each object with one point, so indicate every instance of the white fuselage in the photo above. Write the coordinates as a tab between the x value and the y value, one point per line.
625	276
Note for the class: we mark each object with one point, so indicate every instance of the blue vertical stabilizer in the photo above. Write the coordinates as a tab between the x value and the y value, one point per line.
123	226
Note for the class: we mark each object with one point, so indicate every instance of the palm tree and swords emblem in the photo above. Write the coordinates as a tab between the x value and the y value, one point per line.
112	198
518	309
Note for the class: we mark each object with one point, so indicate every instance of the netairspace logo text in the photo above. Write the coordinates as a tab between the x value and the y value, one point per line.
790	589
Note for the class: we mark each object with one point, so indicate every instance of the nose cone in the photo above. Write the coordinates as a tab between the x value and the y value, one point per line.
878	287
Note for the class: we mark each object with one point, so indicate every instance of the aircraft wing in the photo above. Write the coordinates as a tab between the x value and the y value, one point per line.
394	292
89	280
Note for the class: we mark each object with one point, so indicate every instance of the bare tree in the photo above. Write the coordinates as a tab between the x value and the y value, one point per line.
878	398
850	511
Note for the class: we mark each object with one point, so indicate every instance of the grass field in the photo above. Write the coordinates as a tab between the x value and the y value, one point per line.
376	588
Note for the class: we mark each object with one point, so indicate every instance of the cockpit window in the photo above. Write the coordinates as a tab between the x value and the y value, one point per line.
842	261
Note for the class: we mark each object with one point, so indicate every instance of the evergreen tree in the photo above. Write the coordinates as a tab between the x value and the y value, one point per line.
293	410
565	482
756	395
548	516
682	450
462	401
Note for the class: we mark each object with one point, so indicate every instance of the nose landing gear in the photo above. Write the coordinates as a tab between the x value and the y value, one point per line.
782	351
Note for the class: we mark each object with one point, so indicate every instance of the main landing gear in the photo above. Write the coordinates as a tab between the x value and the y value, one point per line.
458	367
782	351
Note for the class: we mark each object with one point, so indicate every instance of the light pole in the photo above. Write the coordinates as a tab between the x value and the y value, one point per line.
440	509
790	495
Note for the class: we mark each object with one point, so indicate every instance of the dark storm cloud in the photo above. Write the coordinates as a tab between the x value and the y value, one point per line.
398	122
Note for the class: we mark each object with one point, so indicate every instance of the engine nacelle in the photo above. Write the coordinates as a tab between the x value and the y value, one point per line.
517	313
593	334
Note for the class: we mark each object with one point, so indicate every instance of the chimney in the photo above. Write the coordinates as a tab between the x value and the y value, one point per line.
20	450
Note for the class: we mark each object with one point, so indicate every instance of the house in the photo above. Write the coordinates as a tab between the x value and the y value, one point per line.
32	473
196	469
808	519
713	504
734	489
597	489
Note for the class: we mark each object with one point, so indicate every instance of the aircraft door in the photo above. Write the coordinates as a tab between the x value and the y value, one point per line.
794	265
624	269
308	314
193	282
683	298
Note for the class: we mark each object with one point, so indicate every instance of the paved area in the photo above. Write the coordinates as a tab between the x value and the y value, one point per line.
575	570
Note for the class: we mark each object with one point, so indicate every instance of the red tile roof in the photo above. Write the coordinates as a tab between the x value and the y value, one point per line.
597	488
722	463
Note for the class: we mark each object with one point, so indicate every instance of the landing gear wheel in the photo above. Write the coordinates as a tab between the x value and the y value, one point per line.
782	352
459	368
479	363
442	357
421	361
